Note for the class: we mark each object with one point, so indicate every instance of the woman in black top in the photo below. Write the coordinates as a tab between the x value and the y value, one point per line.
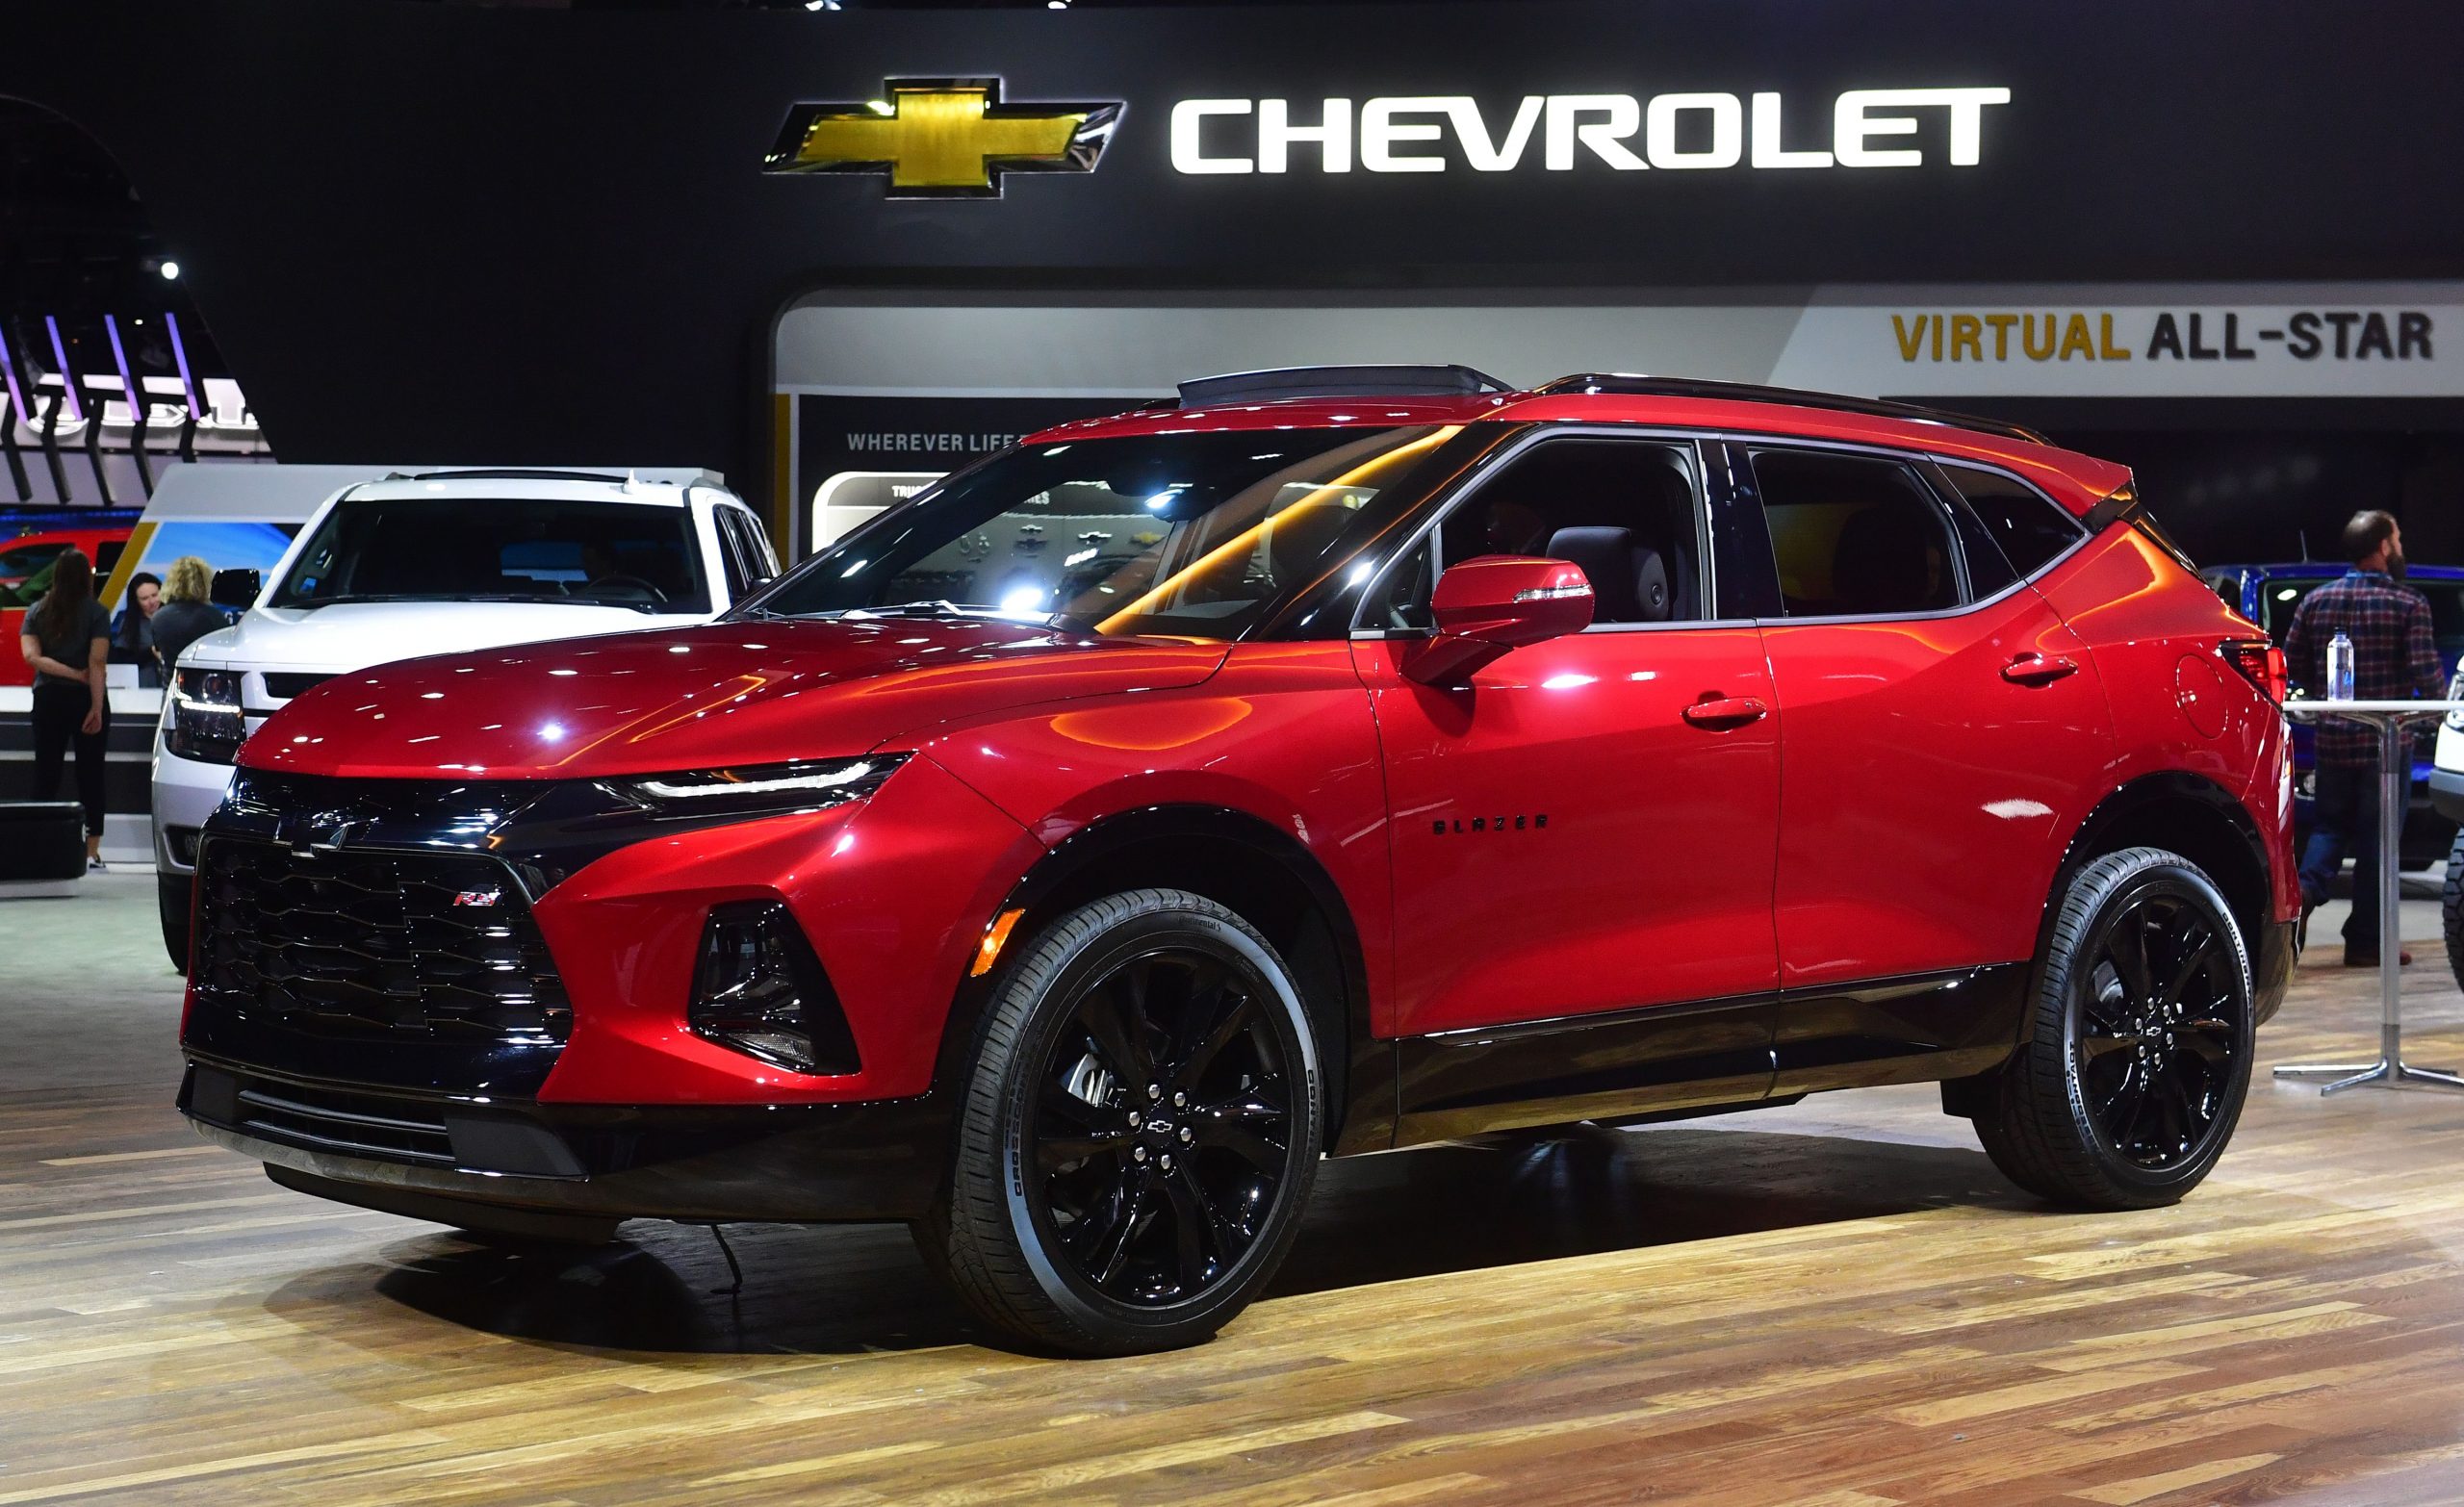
133	630
185	615
67	639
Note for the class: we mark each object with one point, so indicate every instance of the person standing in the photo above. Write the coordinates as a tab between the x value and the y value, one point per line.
66	639
133	630
2394	659
188	613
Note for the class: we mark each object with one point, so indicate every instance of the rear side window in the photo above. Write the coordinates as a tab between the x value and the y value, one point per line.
1855	536
2030	527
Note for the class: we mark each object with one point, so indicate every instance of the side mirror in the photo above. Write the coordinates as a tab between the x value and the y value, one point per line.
235	590
1488	605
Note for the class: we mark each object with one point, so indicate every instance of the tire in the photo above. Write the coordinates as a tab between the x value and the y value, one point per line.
2060	1119
2451	909
1089	1213
171	896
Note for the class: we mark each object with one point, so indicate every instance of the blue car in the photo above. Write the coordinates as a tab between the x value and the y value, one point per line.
2268	594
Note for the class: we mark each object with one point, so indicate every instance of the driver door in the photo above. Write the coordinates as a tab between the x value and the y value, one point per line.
1574	841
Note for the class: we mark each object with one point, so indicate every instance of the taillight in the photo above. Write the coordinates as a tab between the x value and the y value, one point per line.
2261	663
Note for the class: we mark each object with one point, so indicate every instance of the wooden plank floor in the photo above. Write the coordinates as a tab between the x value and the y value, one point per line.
1838	1303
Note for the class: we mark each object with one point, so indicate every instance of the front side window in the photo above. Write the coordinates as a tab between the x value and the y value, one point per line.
1623	510
1188	535
418	548
1854	536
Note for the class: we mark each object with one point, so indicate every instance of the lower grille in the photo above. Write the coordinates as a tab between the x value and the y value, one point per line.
364	1125
375	942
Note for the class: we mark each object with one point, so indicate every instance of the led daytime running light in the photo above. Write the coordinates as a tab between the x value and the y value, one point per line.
834	777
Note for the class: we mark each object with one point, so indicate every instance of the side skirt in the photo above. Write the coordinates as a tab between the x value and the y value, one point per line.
1673	1061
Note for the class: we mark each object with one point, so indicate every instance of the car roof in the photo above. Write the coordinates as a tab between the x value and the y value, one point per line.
2078	480
445	487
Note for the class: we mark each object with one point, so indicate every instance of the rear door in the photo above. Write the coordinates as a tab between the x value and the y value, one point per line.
1943	731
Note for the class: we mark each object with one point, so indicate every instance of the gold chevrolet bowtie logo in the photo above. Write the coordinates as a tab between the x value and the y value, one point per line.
943	138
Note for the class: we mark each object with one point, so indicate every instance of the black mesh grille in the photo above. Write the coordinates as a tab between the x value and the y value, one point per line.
361	942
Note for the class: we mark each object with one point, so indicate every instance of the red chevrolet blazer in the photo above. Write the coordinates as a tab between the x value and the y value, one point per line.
1341	759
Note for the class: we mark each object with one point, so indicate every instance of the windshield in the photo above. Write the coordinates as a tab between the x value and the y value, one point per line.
2278	600
1179	534
618	554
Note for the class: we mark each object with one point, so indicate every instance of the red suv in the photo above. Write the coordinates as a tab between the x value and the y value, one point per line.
1341	759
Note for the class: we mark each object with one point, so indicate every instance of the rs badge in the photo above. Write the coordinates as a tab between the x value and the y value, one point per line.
478	897
943	138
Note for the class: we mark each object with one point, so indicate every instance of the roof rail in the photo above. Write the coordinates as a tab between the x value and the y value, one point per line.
508	473
1371	381
1750	393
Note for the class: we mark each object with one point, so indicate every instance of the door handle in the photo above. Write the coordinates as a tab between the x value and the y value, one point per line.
1725	711
2039	669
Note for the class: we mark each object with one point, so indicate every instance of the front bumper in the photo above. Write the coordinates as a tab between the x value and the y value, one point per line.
790	1164
186	791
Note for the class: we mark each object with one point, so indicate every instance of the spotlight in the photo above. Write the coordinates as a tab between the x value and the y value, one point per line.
171	270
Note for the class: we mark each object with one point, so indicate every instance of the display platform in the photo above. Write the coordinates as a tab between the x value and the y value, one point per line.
1839	1302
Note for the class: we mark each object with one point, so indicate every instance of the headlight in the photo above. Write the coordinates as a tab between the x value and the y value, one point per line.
2455	692
759	789
202	720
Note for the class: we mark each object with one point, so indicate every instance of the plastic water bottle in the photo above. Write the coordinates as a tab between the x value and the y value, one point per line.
2340	667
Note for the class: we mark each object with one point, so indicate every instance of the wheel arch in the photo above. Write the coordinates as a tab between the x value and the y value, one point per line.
1242	861
2184	814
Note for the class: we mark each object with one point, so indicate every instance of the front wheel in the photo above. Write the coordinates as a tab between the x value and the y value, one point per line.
2136	1056
1138	1134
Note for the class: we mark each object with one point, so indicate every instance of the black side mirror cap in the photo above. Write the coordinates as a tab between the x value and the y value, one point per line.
236	590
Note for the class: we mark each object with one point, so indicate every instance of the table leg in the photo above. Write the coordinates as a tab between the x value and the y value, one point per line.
2394	790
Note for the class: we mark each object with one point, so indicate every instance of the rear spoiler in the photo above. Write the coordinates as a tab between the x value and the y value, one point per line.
2125	506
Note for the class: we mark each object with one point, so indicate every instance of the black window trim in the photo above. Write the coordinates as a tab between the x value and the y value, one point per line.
2080	532
1438	509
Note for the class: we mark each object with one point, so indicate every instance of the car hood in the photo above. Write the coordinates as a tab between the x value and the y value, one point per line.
350	635
755	692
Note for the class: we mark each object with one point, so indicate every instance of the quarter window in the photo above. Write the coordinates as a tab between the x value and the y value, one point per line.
1854	536
2030	527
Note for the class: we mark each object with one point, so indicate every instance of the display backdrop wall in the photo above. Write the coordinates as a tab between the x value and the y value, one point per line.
527	233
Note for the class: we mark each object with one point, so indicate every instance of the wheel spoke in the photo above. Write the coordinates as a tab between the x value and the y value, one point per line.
2128	949
2210	1040
1192	1224
2092	1048
1131	1204
1245	1130
2196	957
1056	1152
1067	1106
1235	1018
1117	1040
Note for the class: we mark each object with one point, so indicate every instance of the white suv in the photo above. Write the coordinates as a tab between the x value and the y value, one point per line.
434	563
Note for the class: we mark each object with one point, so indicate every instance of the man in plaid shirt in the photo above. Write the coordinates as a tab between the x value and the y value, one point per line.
2395	658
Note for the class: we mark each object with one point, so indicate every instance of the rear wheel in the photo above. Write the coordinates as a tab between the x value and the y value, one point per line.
2452	909
2131	1075
1138	1134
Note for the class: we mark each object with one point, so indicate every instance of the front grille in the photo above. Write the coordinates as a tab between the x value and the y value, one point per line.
375	942
284	684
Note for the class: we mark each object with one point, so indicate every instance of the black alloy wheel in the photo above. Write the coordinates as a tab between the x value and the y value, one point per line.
1140	1132
2135	1059
1163	1127
2159	1041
